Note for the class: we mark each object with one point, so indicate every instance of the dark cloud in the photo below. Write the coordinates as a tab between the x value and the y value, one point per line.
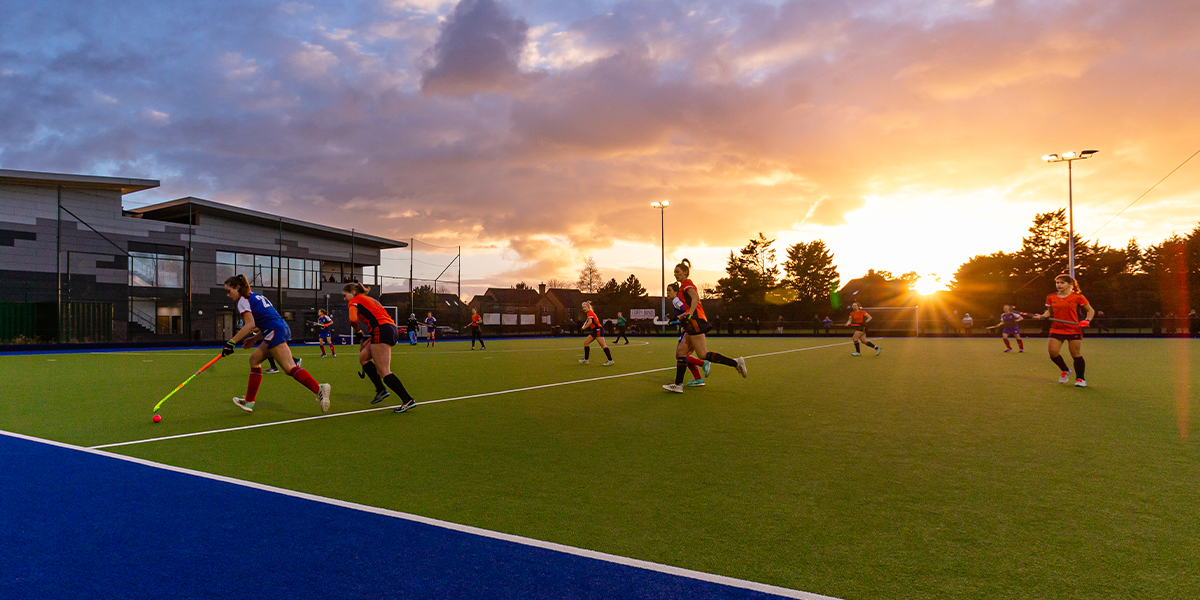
479	50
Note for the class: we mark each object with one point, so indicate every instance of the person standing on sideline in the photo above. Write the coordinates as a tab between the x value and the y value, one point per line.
476	327
621	325
779	326
967	323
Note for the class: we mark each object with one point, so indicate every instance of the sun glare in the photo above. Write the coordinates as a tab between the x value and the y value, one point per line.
928	285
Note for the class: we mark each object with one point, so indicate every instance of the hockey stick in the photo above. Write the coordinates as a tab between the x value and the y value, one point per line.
185	382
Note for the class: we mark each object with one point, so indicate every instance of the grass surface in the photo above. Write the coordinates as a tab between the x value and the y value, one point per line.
941	469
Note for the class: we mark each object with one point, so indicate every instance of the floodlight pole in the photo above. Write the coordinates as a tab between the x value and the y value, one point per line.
662	208
1070	157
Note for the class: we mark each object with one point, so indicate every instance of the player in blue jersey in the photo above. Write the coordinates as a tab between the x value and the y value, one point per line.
1008	320
325	332
431	330
271	341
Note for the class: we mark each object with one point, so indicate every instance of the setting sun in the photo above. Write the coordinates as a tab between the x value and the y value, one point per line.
928	285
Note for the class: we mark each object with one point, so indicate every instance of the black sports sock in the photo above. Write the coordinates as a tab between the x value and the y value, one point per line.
272	361
608	354
587	352
856	348
1079	366
369	369
721	360
680	368
1062	364
394	382
870	345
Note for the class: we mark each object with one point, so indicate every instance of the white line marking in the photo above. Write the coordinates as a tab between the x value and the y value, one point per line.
485	394
487	533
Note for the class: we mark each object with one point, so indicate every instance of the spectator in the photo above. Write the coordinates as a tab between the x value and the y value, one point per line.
816	324
1156	323
757	326
779	326
1170	322
1099	322
968	323
716	324
828	323
1193	323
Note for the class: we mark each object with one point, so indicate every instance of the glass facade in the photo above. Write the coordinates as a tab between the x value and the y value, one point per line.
155	270
269	271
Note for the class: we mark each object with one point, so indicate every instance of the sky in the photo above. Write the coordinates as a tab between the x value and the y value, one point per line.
905	134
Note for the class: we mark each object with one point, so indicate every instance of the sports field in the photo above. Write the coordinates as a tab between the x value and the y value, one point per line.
942	468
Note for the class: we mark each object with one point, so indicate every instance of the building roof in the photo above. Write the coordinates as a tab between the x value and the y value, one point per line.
513	296
124	185
178	211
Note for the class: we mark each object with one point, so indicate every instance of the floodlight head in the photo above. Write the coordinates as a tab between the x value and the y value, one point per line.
1068	155
656	204
666	203
1087	153
1050	157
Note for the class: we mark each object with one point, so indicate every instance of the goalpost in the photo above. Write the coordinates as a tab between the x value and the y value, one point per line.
894	320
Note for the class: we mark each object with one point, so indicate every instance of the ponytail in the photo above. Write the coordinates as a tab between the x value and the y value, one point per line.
239	283
355	288
685	265
1071	280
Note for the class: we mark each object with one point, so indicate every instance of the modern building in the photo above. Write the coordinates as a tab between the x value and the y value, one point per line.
79	267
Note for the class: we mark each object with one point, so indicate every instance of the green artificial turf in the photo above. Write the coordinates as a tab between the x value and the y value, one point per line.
941	469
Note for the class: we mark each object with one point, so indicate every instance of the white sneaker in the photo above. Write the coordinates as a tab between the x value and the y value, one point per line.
1065	377
323	396
242	404
741	366
671	387
1080	383
270	371
583	361
610	363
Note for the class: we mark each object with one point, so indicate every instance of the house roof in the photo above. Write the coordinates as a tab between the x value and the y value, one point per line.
124	185
513	296
178	211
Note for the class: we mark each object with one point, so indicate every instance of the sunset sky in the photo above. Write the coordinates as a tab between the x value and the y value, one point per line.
906	134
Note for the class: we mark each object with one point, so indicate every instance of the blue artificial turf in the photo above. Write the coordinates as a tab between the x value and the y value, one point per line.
75	524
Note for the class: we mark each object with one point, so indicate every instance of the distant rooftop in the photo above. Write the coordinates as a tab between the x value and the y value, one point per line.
124	185
178	211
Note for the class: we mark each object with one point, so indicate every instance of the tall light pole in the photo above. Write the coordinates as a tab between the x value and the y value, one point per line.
1070	157
662	211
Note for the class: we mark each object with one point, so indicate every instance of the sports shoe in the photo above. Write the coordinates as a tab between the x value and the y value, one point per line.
323	396
242	404
380	395
671	387
583	361
706	367
695	383
411	402
1080	383
1065	377
270	371
878	349
1021	351
741	366
856	354
1008	350
298	361
321	356
610	363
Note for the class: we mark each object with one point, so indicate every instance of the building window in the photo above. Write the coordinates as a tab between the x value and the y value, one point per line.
155	270
262	270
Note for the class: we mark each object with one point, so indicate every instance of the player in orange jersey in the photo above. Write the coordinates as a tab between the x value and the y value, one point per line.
858	320
380	335
595	331
695	325
476	327
1062	308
